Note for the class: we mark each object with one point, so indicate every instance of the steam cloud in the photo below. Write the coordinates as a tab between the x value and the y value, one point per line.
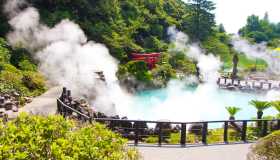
258	51
66	57
208	64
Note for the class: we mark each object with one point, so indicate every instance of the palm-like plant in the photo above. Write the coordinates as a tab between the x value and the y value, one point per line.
276	105
232	110
260	106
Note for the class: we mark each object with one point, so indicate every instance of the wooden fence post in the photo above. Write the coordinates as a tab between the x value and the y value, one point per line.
244	132
226	132
183	134
159	133
264	128
204	132
136	133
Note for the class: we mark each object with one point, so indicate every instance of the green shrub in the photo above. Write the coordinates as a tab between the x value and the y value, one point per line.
26	65
138	69
4	52
33	80
53	137
267	148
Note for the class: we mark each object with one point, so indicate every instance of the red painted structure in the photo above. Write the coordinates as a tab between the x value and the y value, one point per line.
150	58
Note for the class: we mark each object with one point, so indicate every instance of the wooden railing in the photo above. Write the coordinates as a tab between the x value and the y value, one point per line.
136	130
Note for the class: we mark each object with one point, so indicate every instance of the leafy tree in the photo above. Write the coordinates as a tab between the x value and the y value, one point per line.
260	106
138	69
276	105
53	137
221	28
260	30
232	110
202	20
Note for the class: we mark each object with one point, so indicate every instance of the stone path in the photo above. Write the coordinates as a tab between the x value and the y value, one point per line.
44	104
215	152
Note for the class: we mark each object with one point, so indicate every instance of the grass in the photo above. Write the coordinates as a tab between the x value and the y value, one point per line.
245	63
214	136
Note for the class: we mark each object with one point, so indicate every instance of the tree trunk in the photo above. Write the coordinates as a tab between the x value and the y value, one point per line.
235	63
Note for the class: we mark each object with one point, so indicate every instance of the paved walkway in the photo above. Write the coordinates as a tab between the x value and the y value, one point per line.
44	104
215	152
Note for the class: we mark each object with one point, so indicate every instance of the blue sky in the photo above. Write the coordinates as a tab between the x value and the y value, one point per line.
233	13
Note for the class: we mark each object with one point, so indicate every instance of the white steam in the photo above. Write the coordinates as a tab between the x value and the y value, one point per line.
208	64
67	58
254	51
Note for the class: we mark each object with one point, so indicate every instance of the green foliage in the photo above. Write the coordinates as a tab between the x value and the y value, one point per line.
18	72
26	65
202	20
260	105
127	26
232	110
138	69
33	80
276	105
4	51
266	148
261	30
53	137
180	62
251	64
214	45
162	74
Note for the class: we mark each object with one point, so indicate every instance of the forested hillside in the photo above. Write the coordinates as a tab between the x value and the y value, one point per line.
261	30
128	26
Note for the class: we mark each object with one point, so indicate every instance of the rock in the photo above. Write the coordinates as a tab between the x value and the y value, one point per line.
2	99
15	109
27	99
7	96
8	105
16	94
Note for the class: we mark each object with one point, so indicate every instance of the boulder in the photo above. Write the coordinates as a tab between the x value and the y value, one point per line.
8	105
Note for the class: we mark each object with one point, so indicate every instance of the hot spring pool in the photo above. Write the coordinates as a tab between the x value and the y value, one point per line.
204	102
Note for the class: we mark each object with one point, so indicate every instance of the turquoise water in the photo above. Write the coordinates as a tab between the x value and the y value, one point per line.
204	102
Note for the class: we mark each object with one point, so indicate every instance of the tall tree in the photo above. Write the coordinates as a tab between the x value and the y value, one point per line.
202	20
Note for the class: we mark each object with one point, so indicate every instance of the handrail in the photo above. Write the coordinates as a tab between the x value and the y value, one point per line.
174	122
72	109
136	126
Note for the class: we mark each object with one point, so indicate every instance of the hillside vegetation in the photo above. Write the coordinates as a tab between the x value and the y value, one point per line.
261	30
18	72
129	26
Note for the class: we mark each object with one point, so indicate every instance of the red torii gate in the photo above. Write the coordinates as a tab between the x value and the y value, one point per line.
150	58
